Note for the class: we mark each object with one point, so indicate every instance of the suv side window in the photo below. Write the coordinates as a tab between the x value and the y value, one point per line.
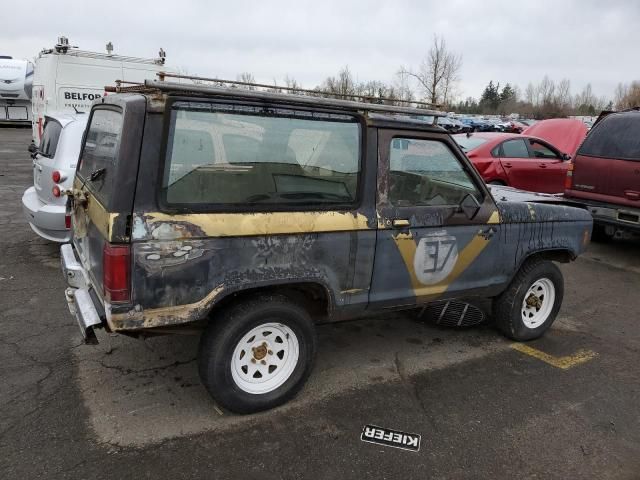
515	149
100	151
225	155
426	173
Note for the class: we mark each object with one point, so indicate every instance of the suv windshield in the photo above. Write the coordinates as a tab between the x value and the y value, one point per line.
225	155
50	137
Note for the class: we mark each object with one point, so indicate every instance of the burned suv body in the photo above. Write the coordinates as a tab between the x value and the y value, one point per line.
255	215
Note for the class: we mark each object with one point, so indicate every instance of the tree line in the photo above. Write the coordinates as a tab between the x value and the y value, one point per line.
435	82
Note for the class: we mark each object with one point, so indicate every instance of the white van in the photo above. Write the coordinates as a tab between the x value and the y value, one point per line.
16	77
68	80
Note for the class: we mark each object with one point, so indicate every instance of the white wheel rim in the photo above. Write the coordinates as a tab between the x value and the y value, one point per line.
538	303
265	358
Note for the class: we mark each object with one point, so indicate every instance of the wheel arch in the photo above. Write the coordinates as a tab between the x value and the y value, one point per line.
315	296
560	255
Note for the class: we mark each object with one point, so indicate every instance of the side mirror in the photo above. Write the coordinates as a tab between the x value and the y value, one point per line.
566	156
32	148
470	206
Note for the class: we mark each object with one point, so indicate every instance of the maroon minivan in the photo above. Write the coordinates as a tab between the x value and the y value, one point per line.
605	174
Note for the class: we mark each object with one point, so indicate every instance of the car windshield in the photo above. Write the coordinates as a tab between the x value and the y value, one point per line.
468	143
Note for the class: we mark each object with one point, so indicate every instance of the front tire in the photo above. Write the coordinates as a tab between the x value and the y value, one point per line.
257	354
529	306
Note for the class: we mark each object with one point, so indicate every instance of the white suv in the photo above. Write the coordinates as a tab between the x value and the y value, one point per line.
54	166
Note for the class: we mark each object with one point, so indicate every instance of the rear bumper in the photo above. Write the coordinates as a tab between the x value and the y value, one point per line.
46	220
79	295
623	217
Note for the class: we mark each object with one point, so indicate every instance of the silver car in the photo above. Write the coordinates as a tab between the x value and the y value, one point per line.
54	166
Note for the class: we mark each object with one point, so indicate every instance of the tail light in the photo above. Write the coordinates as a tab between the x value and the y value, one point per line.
67	221
56	191
58	177
115	272
568	180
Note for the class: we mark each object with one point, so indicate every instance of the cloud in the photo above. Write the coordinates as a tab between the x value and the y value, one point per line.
516	42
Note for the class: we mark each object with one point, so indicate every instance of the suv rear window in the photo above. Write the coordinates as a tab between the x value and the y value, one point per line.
100	152
50	137
616	136
252	156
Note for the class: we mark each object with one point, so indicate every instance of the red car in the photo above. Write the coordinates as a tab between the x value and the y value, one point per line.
525	161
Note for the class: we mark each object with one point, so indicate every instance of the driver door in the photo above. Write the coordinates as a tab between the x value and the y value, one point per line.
550	171
427	247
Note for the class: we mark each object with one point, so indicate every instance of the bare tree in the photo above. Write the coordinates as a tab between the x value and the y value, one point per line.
451	77
438	72
531	94
546	90
563	95
343	85
246	77
627	96
291	82
402	87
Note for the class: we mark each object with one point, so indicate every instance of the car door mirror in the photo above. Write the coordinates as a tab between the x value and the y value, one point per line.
565	156
33	150
470	206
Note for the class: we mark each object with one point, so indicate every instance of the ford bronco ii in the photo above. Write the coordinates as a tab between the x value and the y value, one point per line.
256	215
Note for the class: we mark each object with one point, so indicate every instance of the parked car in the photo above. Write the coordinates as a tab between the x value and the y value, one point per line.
255	215
516	160
478	125
462	127
54	165
606	174
566	134
450	125
514	126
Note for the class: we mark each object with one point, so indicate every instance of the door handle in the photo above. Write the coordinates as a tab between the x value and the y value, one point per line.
488	233
542	165
401	223
507	165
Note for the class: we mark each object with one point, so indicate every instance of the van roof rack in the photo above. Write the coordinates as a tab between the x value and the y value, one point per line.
310	97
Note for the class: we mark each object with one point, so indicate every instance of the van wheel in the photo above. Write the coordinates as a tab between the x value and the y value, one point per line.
528	307
257	354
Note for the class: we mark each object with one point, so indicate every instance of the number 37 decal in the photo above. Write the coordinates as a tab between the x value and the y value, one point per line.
435	258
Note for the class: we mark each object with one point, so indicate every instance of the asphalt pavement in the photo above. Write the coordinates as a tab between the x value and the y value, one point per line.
566	406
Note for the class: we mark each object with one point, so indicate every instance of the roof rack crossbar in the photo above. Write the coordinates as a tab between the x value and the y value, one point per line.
368	98
291	98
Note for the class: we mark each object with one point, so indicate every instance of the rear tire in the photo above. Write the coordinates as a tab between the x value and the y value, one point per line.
529	306
257	354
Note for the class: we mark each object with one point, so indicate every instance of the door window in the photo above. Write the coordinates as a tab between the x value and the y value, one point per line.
426	172
538	150
515	149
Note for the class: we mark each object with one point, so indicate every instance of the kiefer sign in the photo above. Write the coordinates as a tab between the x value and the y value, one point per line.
391	438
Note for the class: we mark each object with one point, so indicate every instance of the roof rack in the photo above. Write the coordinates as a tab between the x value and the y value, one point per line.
312	98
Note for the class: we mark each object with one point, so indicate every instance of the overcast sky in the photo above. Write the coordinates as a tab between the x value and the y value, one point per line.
507	41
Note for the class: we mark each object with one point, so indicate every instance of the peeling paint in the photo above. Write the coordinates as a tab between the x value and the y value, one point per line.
214	225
